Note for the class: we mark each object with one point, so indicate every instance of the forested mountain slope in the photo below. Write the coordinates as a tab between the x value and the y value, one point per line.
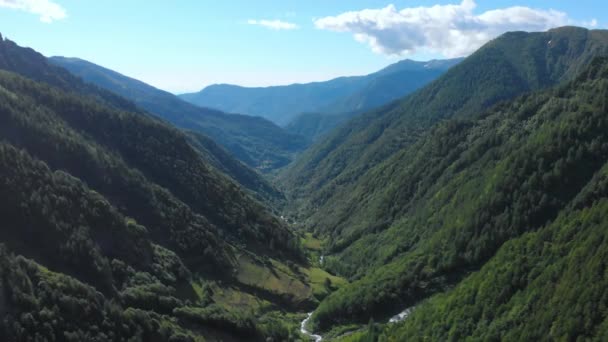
281	104
126	225
510	65
251	180
255	141
549	284
464	190
35	66
316	125
386	86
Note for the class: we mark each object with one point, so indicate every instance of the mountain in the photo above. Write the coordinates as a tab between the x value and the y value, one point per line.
475	206
31	64
508	66
413	196
255	141
281	104
533	170
382	87
116	228
391	83
316	125
223	161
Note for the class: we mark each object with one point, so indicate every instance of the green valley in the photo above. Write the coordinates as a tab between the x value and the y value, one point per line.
455	199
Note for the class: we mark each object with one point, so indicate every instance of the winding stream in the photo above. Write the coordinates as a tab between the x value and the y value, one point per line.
318	338
401	316
303	330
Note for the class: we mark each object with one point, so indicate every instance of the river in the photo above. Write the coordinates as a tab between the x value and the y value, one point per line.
401	316
318	338
303	330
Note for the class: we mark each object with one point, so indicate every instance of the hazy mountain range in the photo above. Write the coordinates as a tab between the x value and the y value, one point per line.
282	104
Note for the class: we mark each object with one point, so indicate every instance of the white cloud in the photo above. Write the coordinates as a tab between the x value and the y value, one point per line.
593	23
450	30
46	9
273	24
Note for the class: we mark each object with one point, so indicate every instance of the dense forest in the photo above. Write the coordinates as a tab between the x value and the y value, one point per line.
418	195
253	140
511	172
506	67
117	217
549	282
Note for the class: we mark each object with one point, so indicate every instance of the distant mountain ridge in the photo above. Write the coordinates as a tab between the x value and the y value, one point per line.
281	104
255	141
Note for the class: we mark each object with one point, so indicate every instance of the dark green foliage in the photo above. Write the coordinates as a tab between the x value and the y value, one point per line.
40	211
546	285
464	190
77	135
255	141
273	326
372	332
222	160
33	65
282	104
122	207
237	322
38	305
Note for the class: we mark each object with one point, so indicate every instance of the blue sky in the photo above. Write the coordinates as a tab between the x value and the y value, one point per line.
184	45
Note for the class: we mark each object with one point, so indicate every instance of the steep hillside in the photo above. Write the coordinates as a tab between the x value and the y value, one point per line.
383	87
281	104
222	160
465	189
149	150
316	125
125	225
548	284
510	65
390	84
255	141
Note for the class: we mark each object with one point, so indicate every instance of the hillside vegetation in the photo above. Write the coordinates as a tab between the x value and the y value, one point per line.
467	188
477	204
254	141
549	283
509	66
113	219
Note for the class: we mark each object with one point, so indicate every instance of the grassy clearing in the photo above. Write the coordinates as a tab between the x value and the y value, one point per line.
317	278
274	276
356	336
311	243
171	323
